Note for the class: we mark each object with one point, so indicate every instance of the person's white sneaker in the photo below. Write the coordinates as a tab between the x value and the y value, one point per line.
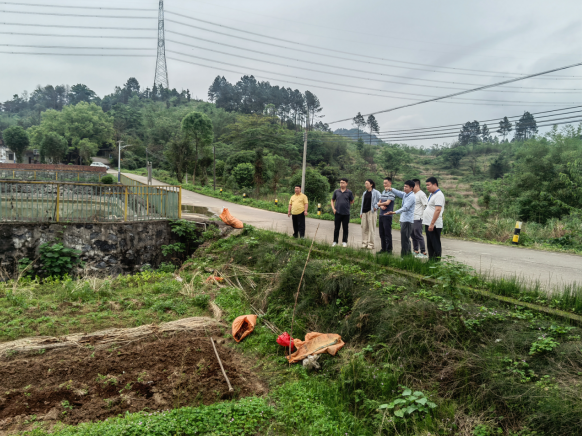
345	244
334	244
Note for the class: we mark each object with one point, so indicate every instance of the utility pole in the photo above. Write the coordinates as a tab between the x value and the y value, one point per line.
161	77
119	162
214	168
304	160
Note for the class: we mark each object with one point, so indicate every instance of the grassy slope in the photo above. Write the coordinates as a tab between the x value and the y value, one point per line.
487	366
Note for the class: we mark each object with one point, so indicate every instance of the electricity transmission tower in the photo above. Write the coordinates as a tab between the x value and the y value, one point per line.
161	78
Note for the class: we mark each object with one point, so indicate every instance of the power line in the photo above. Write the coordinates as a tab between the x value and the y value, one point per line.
340	74
468	91
324	54
349	86
77	7
328	49
428	136
74	48
341	90
569	119
149	29
77	54
455	127
77	36
259	52
61	14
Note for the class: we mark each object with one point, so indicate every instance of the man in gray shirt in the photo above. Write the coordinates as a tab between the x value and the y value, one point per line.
340	204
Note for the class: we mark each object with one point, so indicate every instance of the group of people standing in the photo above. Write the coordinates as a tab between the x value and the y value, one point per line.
417	212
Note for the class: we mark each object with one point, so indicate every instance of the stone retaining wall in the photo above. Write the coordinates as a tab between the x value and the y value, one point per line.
112	248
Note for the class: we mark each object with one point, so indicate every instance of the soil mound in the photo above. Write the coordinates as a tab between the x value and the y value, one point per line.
88	384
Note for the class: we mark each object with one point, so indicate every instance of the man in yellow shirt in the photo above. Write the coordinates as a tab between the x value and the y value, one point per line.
298	211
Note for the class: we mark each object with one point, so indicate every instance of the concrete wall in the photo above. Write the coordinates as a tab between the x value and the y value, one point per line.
111	248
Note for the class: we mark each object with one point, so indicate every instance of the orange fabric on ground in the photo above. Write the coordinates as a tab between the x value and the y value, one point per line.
243	326
227	218
316	343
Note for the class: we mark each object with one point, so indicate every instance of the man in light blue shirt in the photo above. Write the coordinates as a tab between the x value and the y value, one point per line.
406	215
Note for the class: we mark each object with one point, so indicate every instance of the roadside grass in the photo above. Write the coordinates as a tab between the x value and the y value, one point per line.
487	367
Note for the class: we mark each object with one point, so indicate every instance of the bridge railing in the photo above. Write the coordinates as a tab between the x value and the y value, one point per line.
51	175
86	202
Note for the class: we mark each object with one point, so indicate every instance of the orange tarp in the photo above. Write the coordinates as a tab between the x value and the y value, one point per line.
243	326
227	218
316	343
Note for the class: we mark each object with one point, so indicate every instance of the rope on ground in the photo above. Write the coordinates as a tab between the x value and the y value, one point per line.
298	288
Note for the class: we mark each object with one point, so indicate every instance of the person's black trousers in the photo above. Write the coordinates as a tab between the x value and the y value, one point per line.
385	224
405	233
433	243
298	225
417	239
341	221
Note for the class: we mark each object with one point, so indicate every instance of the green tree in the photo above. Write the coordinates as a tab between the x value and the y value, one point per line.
505	127
75	123
179	153
16	139
259	177
316	185
54	147
81	93
359	122
526	127
373	126
392	158
499	167
244	175
197	127
454	156
485	134
87	149
470	133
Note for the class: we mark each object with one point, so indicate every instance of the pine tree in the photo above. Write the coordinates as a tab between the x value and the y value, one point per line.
485	134
469	133
359	122
526	127
505	127
373	125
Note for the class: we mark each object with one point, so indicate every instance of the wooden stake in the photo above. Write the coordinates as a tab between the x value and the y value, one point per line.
230	389
298	288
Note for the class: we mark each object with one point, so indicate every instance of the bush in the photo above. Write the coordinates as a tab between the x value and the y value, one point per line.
316	185
107	180
244	174
57	260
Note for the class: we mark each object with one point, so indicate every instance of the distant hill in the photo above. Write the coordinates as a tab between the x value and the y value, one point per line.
353	134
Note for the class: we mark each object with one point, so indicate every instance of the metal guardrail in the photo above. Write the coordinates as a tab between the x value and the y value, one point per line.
85	202
51	175
171	195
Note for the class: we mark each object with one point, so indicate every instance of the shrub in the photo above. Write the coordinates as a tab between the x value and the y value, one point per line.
107	180
244	174
57	260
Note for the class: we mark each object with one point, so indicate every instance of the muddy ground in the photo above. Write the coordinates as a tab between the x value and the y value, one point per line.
84	384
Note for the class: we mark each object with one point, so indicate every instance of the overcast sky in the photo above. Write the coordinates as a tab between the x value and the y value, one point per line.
413	40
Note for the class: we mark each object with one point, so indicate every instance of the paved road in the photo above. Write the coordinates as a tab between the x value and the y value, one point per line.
552	270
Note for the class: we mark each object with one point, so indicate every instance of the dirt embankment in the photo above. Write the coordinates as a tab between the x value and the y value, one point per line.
84	384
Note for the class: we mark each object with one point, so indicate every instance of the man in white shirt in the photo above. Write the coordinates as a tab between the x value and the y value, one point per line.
432	219
417	239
